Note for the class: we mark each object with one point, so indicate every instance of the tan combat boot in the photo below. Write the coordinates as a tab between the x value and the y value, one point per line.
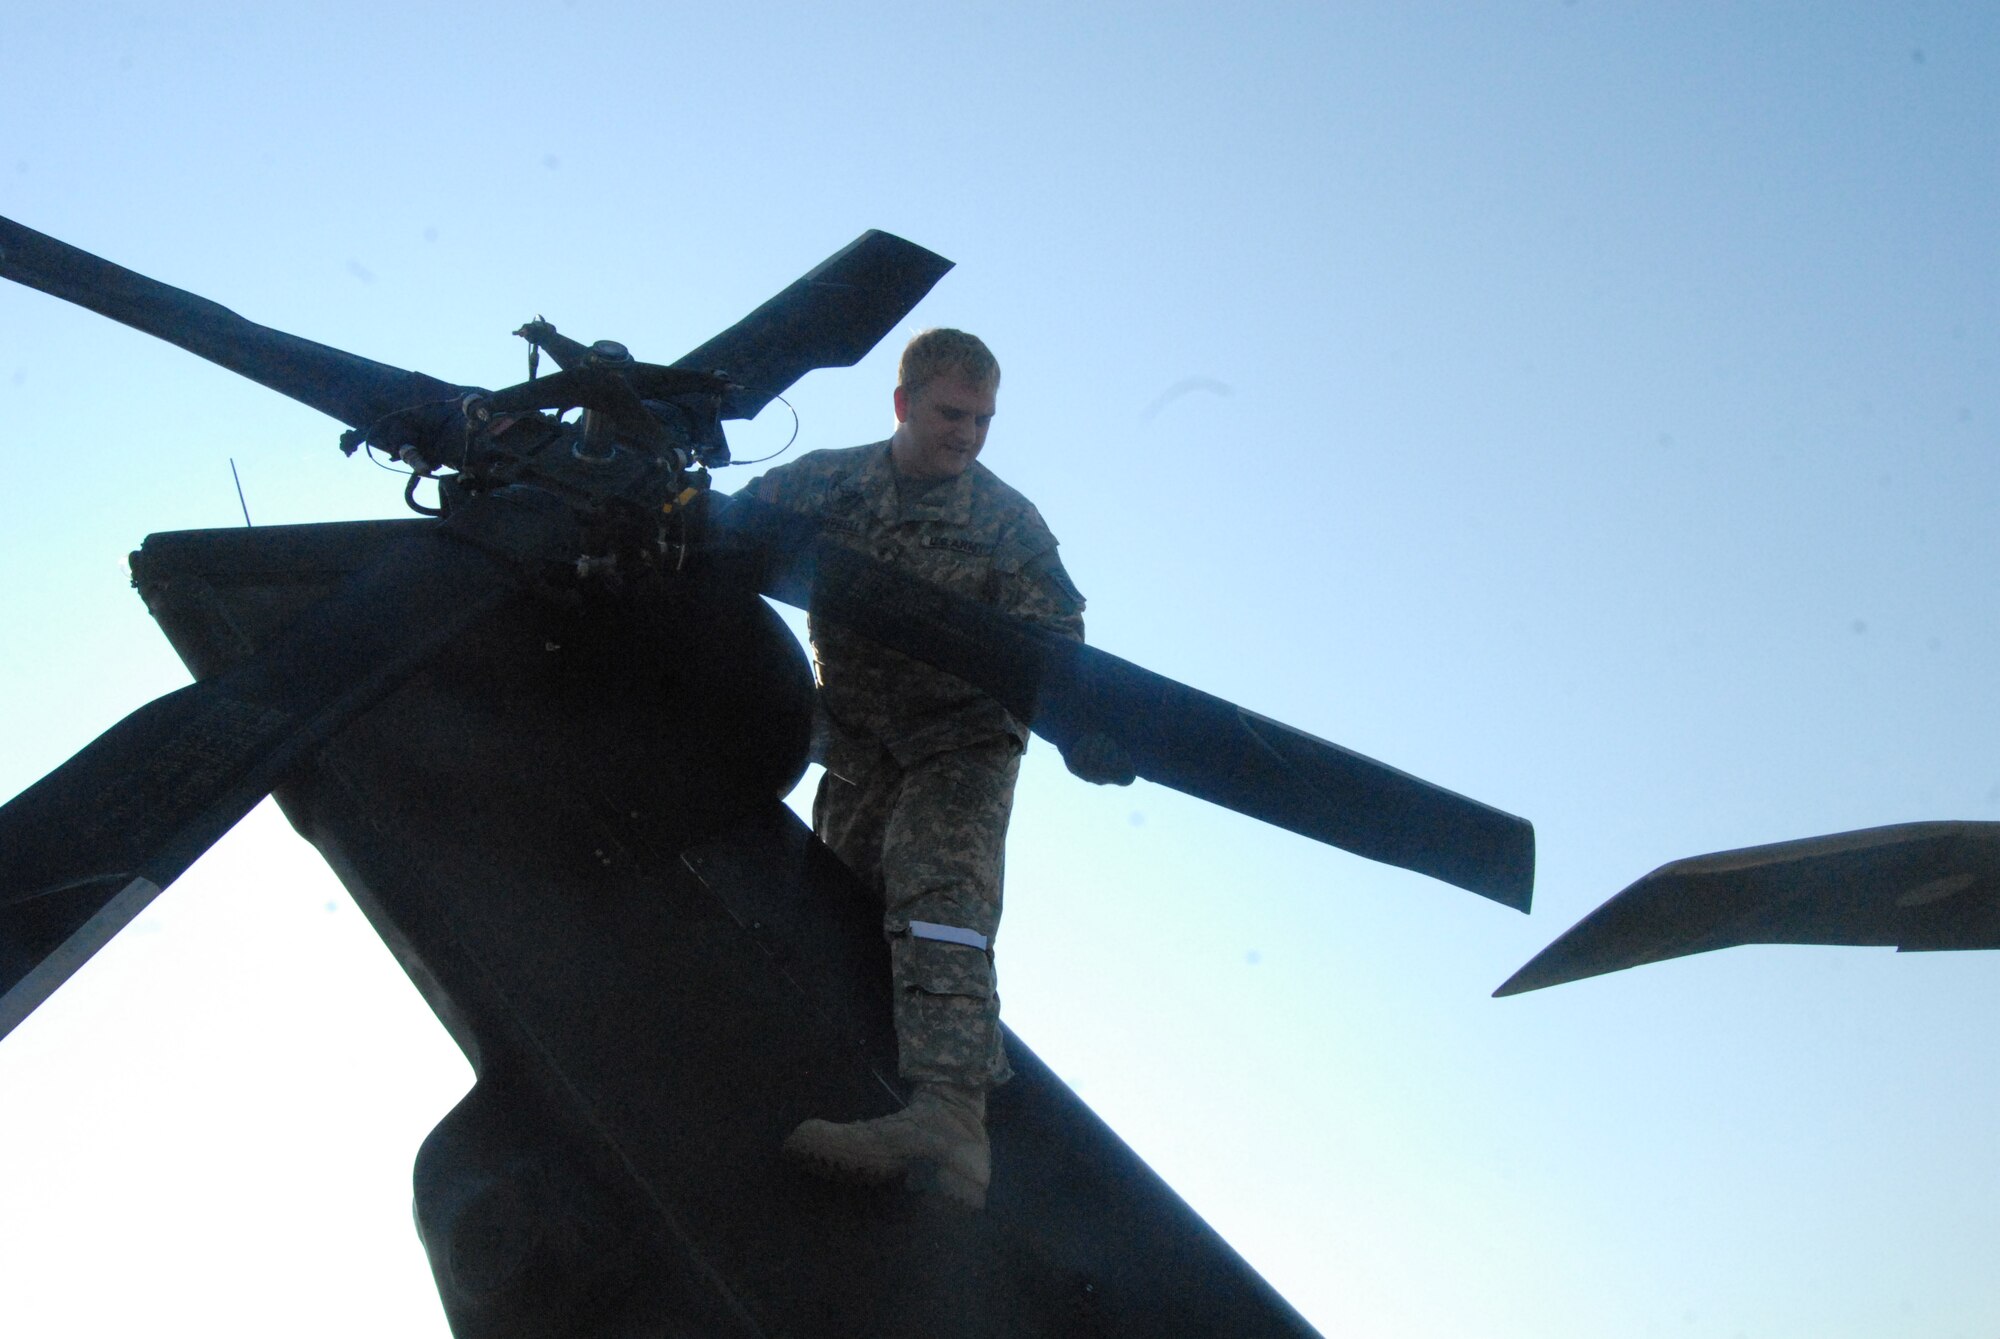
943	1129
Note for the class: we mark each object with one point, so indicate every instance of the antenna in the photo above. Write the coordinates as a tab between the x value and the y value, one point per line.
239	490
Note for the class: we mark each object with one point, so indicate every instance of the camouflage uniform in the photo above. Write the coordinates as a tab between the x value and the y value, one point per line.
920	764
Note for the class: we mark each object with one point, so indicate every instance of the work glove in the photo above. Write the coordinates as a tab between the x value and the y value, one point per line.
1100	760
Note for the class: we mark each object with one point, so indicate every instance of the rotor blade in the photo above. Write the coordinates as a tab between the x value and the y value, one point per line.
352	389
831	317
1912	886
89	845
1177	736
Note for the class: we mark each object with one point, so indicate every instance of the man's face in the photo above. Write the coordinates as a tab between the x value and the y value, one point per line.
940	428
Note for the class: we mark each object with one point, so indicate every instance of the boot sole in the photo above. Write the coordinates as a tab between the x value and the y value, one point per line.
959	1187
849	1173
954	1185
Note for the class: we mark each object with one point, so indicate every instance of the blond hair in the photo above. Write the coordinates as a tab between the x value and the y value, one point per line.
939	350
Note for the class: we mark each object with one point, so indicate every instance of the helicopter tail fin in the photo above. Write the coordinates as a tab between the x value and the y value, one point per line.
84	849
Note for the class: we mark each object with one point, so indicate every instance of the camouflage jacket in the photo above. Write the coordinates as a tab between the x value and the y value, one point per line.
973	535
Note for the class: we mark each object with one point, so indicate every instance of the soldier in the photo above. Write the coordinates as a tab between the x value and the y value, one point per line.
920	765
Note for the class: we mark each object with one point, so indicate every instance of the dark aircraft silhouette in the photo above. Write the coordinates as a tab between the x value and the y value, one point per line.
1913	886
541	734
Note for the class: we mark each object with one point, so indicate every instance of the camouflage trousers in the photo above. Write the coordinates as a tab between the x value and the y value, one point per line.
931	839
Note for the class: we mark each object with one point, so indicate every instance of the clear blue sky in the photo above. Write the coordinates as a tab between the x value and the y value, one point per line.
1590	407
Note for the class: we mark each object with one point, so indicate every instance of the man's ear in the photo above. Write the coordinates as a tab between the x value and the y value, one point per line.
902	405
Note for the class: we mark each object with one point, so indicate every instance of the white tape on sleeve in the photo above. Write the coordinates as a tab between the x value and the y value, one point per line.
950	934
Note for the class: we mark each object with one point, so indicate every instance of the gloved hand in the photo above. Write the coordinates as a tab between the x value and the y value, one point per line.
1100	760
